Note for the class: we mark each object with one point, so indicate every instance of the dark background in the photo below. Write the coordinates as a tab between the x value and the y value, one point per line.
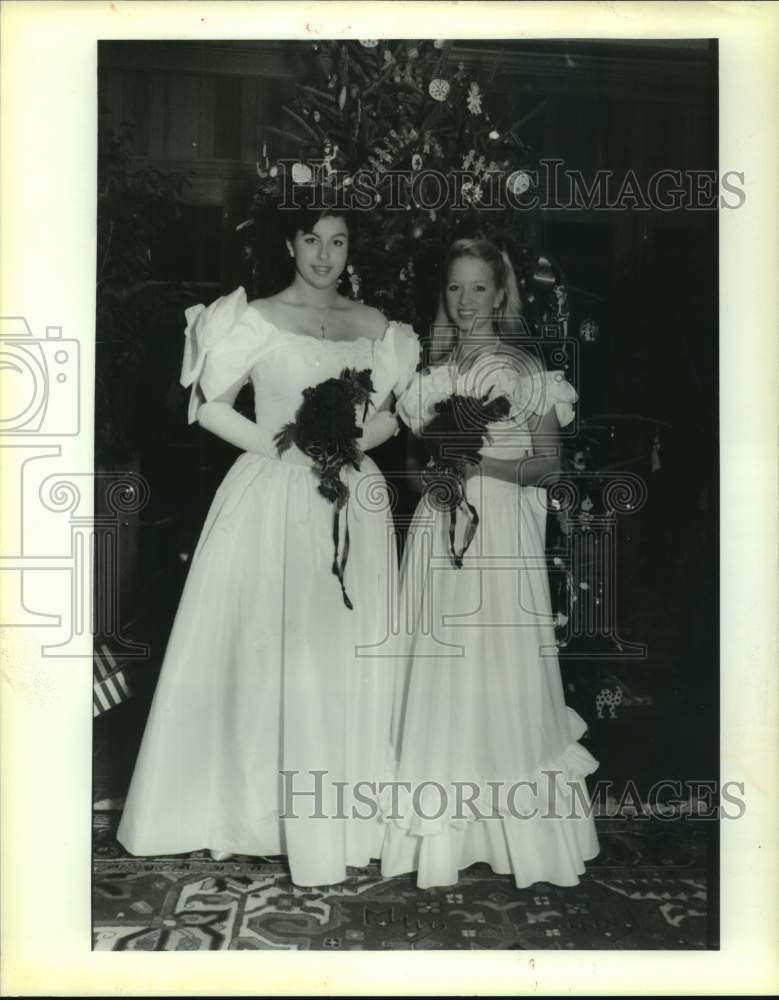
648	278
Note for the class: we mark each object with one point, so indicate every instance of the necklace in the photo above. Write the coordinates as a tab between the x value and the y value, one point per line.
319	310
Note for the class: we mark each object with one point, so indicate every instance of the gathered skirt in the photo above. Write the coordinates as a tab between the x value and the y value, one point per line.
490	768
275	700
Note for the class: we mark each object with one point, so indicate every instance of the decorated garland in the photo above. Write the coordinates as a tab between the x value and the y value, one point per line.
326	430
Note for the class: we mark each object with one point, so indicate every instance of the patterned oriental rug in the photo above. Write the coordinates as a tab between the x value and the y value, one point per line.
652	887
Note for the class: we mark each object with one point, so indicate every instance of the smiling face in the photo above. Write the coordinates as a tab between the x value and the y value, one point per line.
472	295
320	255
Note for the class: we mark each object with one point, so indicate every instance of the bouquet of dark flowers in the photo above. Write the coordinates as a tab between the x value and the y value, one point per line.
325	429
454	437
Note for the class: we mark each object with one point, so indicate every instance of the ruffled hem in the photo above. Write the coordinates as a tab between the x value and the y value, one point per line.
556	788
544	832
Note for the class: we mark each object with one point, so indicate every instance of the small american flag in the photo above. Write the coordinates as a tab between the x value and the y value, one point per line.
109	687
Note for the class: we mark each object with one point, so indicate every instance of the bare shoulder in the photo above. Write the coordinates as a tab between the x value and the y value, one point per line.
372	323
266	306
272	308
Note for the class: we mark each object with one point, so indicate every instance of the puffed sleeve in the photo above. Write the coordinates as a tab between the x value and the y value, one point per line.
553	390
535	394
416	405
222	343
396	360
406	349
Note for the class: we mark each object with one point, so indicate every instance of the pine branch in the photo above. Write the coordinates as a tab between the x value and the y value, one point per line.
379	79
302	122
316	94
287	135
526	118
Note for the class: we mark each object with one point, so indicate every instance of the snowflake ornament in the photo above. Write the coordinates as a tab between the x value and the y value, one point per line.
474	99
438	89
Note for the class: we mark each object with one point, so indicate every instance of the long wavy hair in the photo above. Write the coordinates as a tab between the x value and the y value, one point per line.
508	321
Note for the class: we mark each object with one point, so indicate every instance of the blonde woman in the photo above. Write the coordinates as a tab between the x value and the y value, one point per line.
490	769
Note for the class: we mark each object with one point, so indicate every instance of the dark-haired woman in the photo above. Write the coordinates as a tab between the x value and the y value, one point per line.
270	728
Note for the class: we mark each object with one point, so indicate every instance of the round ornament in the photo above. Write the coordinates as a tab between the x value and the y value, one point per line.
301	173
438	89
518	182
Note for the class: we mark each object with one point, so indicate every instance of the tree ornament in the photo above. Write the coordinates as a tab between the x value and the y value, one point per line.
438	89
317	116
543	274
301	173
588	331
474	99
416	162
342	98
416	232
518	182
274	171
561	303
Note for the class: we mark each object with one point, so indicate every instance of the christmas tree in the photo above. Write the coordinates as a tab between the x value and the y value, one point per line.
444	155
442	158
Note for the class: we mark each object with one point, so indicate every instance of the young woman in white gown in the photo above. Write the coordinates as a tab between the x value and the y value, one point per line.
483	713
267	670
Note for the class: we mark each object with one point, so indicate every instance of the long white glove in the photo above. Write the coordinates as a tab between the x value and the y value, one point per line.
221	419
380	428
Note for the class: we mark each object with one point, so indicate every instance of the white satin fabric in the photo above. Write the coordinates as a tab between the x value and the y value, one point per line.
266	670
482	699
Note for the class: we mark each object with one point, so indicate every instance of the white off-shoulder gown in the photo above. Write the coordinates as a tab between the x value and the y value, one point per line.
266	670
483	712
